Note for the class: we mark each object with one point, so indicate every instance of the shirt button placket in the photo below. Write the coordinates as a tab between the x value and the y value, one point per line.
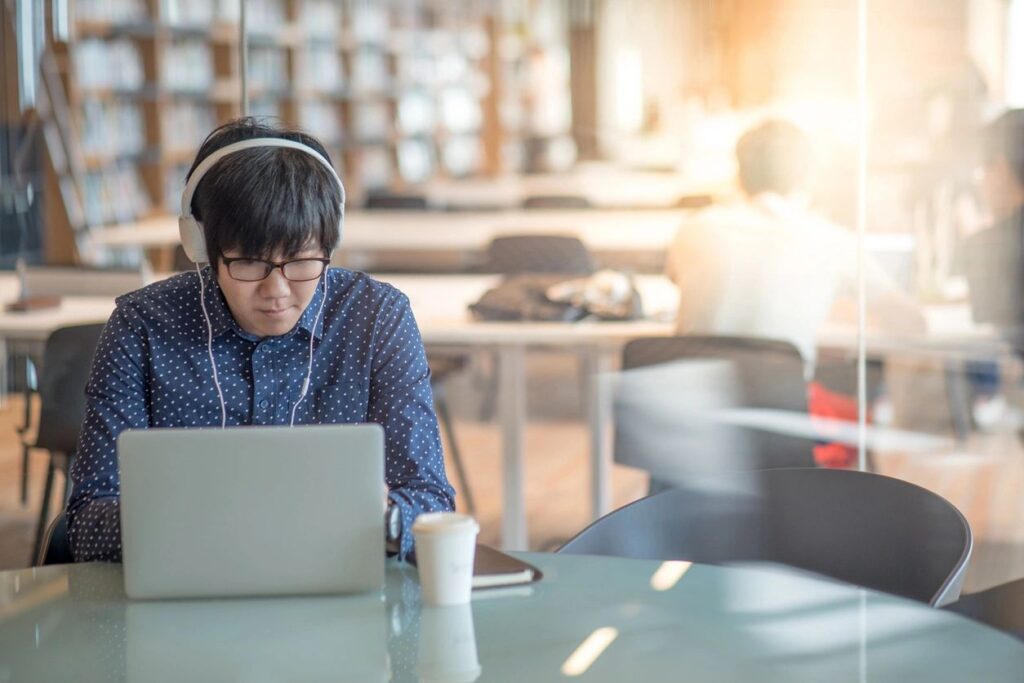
259	368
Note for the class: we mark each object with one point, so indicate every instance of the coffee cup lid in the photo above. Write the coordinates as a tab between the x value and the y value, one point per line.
443	522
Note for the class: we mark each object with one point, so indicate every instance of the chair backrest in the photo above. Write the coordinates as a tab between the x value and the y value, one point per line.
67	360
514	254
391	201
673	396
556	201
56	548
858	527
80	281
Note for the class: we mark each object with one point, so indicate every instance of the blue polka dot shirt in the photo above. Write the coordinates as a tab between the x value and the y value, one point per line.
152	369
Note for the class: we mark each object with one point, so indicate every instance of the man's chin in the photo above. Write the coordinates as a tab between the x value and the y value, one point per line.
276	327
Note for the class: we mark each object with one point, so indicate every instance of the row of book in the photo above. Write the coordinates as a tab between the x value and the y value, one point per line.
108	64
268	69
320	69
262	16
184	125
112	11
112	128
321	120
114	195
187	65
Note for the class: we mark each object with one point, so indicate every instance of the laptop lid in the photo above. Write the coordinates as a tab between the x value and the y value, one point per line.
252	510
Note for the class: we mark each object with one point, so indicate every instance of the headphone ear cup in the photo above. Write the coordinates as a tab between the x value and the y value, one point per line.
192	239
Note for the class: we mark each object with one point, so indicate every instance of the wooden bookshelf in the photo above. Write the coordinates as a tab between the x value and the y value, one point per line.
400	94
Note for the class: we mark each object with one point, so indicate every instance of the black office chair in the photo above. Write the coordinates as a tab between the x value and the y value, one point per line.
556	201
67	360
58	281
393	201
858	527
541	254
56	549
1000	607
672	394
181	262
517	254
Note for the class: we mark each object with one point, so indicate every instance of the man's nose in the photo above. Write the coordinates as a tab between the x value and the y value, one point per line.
275	284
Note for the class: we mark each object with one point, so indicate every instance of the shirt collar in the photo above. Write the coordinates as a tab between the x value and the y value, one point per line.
221	319
780	206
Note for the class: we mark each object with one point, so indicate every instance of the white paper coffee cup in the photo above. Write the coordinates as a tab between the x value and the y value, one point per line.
445	546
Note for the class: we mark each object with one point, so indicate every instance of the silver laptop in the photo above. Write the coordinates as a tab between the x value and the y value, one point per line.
252	510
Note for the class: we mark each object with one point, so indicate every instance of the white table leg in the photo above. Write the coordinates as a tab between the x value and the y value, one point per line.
512	408
597	366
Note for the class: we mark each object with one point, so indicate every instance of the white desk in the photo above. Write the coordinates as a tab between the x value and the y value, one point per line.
748	623
439	303
432	231
601	187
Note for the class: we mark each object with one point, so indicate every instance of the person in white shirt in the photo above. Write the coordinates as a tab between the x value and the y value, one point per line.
768	266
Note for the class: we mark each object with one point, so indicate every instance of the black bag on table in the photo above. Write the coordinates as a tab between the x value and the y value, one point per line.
534	297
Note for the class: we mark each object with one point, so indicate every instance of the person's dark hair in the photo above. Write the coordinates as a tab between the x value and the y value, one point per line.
775	156
1004	139
265	199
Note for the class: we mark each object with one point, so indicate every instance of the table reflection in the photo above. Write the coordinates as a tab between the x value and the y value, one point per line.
599	619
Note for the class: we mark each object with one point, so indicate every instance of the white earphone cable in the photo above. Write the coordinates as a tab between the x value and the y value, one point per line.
209	349
309	367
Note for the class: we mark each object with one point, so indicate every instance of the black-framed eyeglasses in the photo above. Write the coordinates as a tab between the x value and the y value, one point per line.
254	270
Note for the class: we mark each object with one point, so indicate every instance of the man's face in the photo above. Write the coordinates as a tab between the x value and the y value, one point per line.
268	307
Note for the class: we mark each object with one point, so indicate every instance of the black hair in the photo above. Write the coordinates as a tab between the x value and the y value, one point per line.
775	156
1004	139
264	200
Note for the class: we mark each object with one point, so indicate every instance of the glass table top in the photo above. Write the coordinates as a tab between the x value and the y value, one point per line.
592	619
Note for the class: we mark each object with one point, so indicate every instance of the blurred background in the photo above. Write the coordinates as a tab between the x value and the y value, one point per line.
751	167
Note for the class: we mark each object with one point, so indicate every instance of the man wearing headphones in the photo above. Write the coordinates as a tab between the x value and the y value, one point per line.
266	335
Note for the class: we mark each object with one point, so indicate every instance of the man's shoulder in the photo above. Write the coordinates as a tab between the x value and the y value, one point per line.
346	284
363	292
171	295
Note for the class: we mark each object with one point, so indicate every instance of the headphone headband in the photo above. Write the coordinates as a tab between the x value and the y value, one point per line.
192	237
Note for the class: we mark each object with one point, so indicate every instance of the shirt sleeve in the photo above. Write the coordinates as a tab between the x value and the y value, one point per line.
116	399
402	402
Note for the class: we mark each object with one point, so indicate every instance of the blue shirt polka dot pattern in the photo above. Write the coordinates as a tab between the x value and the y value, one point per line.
152	369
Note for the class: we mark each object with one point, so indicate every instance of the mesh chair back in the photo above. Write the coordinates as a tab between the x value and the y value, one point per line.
67	360
676	396
515	254
862	528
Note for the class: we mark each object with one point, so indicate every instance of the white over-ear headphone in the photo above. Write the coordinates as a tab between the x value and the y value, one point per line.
191	230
